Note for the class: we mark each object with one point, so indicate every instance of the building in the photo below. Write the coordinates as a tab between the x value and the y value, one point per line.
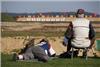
49	17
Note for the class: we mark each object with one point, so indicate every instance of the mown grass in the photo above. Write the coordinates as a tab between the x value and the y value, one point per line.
39	33
35	33
6	61
30	33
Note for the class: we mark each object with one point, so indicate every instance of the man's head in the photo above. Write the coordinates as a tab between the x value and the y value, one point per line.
44	40
80	13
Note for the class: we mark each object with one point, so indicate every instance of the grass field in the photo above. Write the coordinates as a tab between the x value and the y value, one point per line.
6	61
30	33
35	33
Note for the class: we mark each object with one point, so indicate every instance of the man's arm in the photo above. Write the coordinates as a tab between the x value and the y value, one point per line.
69	32
68	35
91	35
41	44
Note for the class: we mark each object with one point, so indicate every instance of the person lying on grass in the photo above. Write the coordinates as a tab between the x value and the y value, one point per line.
41	51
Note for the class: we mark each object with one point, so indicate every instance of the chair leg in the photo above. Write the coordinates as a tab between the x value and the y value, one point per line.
85	53
72	53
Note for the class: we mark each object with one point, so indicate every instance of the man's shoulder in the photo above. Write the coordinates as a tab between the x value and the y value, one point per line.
86	19
81	19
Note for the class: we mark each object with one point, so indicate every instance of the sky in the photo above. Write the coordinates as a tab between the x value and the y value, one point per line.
49	6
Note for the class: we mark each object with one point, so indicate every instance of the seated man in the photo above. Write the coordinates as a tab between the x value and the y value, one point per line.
80	32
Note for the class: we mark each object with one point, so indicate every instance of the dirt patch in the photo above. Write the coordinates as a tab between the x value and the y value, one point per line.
10	43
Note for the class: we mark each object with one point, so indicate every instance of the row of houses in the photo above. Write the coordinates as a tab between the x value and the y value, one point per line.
47	18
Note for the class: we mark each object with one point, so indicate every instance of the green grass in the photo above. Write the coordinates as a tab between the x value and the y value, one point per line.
57	62
7	18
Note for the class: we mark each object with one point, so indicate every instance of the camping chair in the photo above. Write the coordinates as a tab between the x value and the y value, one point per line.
84	50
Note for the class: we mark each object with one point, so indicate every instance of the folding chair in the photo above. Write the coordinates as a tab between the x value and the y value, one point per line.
84	51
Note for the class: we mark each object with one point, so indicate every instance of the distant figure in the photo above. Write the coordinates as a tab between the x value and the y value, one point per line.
80	32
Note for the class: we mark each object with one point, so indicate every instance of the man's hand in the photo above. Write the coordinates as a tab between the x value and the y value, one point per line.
65	41
90	47
64	44
92	42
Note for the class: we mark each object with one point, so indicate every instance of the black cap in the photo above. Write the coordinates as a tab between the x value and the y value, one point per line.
80	11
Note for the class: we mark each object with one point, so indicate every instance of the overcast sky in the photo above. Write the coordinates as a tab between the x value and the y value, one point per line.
49	6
